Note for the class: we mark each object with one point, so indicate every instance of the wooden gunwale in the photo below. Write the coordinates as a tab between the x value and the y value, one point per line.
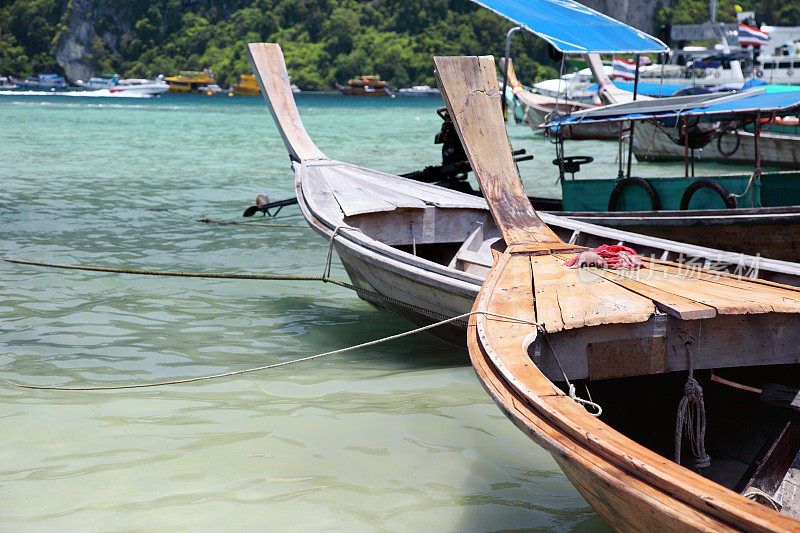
633	239
570	454
566	416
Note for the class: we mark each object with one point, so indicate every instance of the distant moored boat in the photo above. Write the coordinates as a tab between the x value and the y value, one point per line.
48	82
371	85
248	86
190	81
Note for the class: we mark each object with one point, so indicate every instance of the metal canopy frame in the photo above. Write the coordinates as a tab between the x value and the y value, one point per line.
549	19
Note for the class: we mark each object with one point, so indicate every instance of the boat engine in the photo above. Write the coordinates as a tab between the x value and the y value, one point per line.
455	167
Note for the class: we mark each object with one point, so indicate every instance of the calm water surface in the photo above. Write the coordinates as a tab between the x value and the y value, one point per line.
397	437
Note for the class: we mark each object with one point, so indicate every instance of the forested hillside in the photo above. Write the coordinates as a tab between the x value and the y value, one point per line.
324	40
773	12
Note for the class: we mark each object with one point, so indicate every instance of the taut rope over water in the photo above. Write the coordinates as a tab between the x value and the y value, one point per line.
265	277
267	367
229	222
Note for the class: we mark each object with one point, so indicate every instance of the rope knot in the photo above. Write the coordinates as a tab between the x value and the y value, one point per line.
702	462
692	390
691	418
593	408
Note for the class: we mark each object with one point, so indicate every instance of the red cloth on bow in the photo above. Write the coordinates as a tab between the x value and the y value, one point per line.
614	256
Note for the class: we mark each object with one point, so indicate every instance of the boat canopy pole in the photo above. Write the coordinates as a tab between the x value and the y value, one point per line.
506	67
685	146
757	170
633	124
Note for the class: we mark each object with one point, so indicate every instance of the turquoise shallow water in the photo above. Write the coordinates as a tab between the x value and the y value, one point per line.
396	437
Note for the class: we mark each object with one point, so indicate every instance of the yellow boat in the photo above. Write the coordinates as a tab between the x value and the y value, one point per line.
247	86
189	81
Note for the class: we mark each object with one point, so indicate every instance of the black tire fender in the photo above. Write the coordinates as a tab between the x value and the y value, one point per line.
620	186
703	183
735	148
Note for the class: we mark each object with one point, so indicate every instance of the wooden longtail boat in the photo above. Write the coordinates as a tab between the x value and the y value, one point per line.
752	213
538	108
425	249
630	338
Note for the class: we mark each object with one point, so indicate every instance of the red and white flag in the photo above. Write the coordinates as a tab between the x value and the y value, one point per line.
750	35
623	69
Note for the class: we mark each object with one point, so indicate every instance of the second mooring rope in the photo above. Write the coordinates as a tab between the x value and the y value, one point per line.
267	367
325	278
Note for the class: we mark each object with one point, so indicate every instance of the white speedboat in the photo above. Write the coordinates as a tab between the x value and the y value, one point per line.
141	86
131	86
418	90
107	81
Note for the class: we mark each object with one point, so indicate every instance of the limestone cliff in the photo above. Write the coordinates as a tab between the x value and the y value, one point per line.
74	48
637	13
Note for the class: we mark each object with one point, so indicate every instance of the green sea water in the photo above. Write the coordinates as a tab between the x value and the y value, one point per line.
396	437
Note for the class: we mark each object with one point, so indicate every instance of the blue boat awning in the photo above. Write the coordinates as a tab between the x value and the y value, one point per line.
574	28
647	89
708	107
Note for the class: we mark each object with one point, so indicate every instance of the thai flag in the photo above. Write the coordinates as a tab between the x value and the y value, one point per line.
750	35
623	69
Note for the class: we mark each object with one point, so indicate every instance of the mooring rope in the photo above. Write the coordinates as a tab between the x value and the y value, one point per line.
169	273
598	410
236	223
227	222
267	367
264	277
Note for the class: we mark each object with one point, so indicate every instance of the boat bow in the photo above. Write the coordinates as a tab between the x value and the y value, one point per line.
537	321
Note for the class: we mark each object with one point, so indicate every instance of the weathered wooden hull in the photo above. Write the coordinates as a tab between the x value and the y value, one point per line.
537	114
624	501
550	311
653	144
424	299
630	486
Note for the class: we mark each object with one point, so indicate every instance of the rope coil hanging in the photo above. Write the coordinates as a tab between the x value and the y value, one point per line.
691	417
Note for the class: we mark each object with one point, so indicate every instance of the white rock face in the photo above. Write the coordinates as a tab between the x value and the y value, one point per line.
74	47
637	13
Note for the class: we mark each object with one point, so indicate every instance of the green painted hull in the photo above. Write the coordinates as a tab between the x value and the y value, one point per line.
774	189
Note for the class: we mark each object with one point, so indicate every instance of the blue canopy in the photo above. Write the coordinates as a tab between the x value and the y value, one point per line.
647	89
574	28
710	107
